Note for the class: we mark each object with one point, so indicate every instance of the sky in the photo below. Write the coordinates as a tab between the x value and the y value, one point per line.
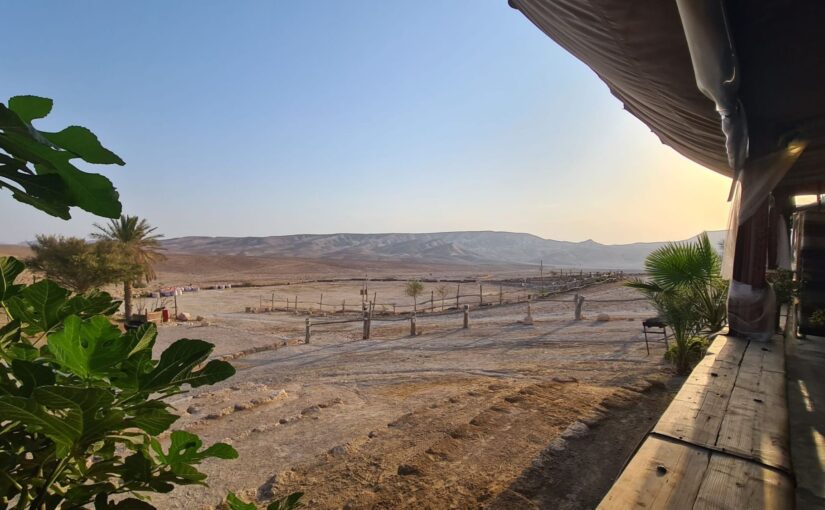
272	117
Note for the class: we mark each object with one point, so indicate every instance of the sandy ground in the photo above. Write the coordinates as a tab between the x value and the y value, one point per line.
501	415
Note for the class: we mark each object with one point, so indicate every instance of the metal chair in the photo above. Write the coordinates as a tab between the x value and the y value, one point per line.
657	323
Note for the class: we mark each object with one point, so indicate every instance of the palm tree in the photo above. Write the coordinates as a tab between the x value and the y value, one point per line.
134	236
689	293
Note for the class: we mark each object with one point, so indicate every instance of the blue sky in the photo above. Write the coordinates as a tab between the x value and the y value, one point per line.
275	117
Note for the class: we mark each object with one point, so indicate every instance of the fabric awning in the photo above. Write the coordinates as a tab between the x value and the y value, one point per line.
639	49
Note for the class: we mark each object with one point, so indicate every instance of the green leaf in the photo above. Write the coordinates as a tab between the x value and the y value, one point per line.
94	404
9	334
39	306
177	363
10	269
84	144
133	504
153	417
236	503
31	375
141	338
184	452
290	502
29	108
94	302
88	348
64	430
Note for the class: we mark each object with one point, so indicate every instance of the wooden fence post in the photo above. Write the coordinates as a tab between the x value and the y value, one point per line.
273	302
466	316
579	302
296	303
366	318
412	324
500	294
321	303
432	301
343	305
457	294
480	294
306	336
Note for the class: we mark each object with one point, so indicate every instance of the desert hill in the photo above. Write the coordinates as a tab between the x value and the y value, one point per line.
443	247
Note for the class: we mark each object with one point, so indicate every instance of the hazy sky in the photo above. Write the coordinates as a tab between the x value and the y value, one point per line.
280	117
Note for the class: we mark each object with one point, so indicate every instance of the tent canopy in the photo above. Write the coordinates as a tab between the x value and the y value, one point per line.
641	50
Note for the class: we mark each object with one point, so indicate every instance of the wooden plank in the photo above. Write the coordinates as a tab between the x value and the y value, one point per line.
735	483
765	356
755	424
697	411
662	475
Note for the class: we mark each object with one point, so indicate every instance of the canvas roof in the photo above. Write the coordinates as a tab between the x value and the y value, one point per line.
639	49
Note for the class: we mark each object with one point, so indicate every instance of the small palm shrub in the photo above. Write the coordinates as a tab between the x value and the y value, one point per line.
686	288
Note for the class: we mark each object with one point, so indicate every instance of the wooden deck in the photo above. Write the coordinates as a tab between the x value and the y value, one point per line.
723	441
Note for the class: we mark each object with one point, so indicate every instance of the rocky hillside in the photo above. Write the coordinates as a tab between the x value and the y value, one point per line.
451	247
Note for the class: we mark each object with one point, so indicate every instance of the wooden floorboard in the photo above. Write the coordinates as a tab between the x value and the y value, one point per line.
722	442
662	475
733	483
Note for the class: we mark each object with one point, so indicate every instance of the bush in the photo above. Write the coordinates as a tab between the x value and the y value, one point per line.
82	404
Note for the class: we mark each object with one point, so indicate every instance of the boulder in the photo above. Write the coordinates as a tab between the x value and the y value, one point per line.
183	316
602	317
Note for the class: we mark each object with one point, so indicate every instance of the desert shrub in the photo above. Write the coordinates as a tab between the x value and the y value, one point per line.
688	292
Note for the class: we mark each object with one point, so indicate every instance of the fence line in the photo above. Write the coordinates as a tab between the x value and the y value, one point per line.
454	302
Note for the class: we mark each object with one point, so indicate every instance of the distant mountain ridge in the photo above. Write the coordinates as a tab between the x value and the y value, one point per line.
482	247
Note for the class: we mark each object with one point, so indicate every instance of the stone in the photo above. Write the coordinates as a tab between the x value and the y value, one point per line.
602	317
338	451
576	429
558	445
373	434
407	470
184	316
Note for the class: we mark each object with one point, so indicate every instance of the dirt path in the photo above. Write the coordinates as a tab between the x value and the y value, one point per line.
503	415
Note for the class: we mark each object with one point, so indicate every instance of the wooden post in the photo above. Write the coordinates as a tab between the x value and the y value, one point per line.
366	335
296	303
272	308
321	303
432	301
260	302
466	316
500	294
457	294
308	325
412	324
480	294
344	305
393	308
176	304
579	302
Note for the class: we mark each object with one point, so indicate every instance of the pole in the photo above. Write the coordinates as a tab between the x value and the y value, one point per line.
412	324
176	304
308	324
296	303
273	302
457	293
541	275
466	316
480	294
432	301
321	303
500	294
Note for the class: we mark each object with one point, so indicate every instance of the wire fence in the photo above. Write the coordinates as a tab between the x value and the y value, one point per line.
503	293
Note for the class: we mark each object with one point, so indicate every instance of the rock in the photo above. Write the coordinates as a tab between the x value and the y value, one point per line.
200	318
311	410
558	445
193	409
565	379
338	451
576	429
283	421
243	406
602	317
183	316
373	434
407	470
